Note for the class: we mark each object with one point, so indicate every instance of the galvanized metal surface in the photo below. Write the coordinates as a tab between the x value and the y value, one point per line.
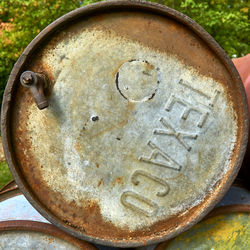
31	240
145	130
36	235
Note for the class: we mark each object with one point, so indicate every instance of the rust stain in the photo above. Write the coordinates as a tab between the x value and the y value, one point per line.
118	180
149	66
100	182
77	147
164	35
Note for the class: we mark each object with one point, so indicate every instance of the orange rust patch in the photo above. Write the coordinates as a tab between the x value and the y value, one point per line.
118	180
100	182
149	66
77	146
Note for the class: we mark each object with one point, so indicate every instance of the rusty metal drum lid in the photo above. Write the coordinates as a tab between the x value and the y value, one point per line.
146	125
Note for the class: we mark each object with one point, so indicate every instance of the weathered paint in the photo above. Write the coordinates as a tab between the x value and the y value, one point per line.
229	231
128	160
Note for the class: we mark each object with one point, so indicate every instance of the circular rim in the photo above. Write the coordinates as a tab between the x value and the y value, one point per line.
117	5
35	226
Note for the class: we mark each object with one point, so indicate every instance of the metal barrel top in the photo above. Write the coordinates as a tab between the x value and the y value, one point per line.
124	123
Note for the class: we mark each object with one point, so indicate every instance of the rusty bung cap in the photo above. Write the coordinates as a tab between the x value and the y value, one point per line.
144	128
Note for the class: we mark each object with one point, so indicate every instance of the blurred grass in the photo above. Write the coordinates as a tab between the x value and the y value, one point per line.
5	175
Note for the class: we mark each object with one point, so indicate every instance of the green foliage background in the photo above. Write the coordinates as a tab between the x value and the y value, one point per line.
21	20
5	175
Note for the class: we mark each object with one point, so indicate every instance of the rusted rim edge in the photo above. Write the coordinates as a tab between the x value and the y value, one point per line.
117	6
9	186
35	226
9	194
9	190
217	211
241	208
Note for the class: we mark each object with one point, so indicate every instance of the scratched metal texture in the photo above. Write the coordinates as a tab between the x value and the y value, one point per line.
146	126
31	240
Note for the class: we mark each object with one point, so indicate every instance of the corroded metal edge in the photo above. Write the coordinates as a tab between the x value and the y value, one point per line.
9	190
229	209
217	211
118	6
9	186
26	225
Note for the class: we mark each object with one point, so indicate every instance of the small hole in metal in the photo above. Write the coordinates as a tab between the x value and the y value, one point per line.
94	118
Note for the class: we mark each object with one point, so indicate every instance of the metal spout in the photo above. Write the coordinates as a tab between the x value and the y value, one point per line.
37	83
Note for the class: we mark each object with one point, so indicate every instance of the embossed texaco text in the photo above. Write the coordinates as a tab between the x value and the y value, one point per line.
160	157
